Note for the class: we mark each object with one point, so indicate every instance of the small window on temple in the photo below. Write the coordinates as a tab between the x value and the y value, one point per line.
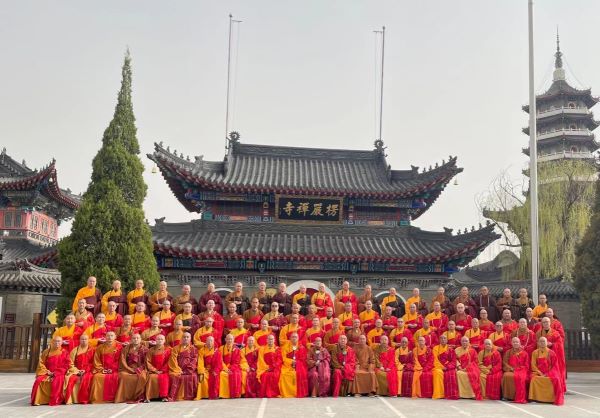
7	219
35	223
17	220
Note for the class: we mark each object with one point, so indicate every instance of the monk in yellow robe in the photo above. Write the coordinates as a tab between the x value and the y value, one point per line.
394	302
260	336
174	337
137	295
79	377
210	364
240	333
50	375
368	318
293	381
419	302
445	383
92	296
97	332
231	371
156	300
374	336
540	310
190	321
66	332
204	332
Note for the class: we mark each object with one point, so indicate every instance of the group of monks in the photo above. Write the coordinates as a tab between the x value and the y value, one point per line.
138	347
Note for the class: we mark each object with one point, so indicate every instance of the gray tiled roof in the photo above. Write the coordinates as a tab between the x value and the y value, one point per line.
262	168
553	288
332	242
19	275
20	249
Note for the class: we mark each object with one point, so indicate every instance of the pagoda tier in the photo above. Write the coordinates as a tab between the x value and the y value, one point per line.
214	245
257	173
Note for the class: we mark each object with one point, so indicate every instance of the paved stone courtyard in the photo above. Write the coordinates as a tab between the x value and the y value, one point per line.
583	401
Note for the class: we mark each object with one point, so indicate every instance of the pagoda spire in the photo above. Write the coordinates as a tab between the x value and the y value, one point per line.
559	72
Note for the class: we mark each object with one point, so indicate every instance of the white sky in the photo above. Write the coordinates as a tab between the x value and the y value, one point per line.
456	77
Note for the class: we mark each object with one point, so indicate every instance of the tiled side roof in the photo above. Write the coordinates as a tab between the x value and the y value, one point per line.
291	170
555	289
20	275
20	249
561	86
216	239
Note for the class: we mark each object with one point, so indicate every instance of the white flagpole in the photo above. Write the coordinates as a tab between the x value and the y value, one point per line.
533	181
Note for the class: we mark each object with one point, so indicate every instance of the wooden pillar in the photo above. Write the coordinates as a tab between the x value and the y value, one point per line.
36	332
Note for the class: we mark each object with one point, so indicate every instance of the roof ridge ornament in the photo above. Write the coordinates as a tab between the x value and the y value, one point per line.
379	145
234	138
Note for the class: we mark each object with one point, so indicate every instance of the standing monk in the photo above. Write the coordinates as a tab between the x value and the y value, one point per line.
445	382
469	385
367	295
452	335
516	373
386	371
183	365
540	310
92	296
303	299
253	316
332	336
404	364
283	299
238	298
117	296
157	366
490	367
50	375
500	339
343	365
354	334
218	321
345	295
269	368
507	302
210	365
132	372
389	320
97	332
313	333
546	380
461	318
348	316
264	300
322	301
422	386
365	381
262	334
210	295
443	300
158	298
185	297
487	302
393	301
79	376
190	322
412	319
293	381
204	333
250	385
137	295
523	302
319	369
106	370
468	302
438	320
231	372
367	317
419	302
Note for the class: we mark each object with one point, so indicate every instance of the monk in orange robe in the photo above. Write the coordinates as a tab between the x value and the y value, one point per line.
327	320
132	372
106	370
275	319
149	335
393	301
313	332
445	382
469	385
137	295
67	332
431	338
117	296
322	301
125	332
452	335
546	381
166	317
400	332
555	343
412	319
293	327
92	296
490	367
269	368
516	373
365	382
231	370
385	369
343	366
185	297
50	375
240	334
368	317
293	380
347	317
438	320
183	365
475	335
423	370
79	376
113	319
204	332
374	336
500	339
334	334
174	337
296	311
253	316
419	302
343	296
210	365
354	334
139	320
97	332
157	367
539	311
260	336
158	298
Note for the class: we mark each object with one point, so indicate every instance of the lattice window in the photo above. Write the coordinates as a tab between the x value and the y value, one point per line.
8	219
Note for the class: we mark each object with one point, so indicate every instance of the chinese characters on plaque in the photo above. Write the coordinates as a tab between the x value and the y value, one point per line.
317	209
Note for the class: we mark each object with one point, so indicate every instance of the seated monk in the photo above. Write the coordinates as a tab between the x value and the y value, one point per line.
314	332
516	373
132	372
125	332
269	368
240	334
422	386
555	343
469	385
347	317
79	376
319	369
210	364
475	335
92	296
375	334
166	318
117	296
453	335
296	311
260	336
405	366
490	367
230	385
445	382
210	295
50	375
343	366
293	380
327	319
293	327
183	369
354	334
106	370
365	381
400	332
499	339
185	297
204	332
368	317
189	320
150	334
389	321
139	320
67	332
137	295
546	380
412	320
526	336
332	336
250	383
431	338
97	332
322	301
275	319
157	367
174	337
253	316
113	319
158	298
385	368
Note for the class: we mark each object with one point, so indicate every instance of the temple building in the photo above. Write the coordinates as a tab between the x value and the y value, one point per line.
275	213
567	171
32	206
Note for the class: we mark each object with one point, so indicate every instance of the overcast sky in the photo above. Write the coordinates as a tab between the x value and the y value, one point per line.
455	81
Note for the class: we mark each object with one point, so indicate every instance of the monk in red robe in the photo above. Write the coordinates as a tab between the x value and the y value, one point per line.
240	333
385	367
412	319
487	326
368	317
67	333
125	332
516	373
275	319
423	370
389	321
139	320
322	301
166	317
404	364
526	336
79	376
253	316
189	320
461	318
431	338
183	365
218	321
251	385
296	311
97	331
475	335
445	382
293	380
332	336
347	317
106	370
92	296
210	295
269	368
375	334
157	366
546	380
231	373
210	364
204	332
490	367
500	339
263	332
319	369
453	335
469	385
438	320
343	362
293	327
150	334
399	332
508	323
83	319
313	332
50	375
185	297
132	372
113	319
230	318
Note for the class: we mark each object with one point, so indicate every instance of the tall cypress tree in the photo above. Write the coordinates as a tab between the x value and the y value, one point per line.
110	238
587	273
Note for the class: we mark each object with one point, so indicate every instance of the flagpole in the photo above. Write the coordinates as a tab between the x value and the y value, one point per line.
533	181
381	92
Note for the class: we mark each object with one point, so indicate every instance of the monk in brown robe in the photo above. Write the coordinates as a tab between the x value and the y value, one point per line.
486	301
185	297
319	369
183	370
238	298
354	334
92	296
253	316
210	295
365	381
117	296
283	299
343	365
367	295
189	320
156	300
106	370
444	302
50	375
507	302
132	372
157	366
